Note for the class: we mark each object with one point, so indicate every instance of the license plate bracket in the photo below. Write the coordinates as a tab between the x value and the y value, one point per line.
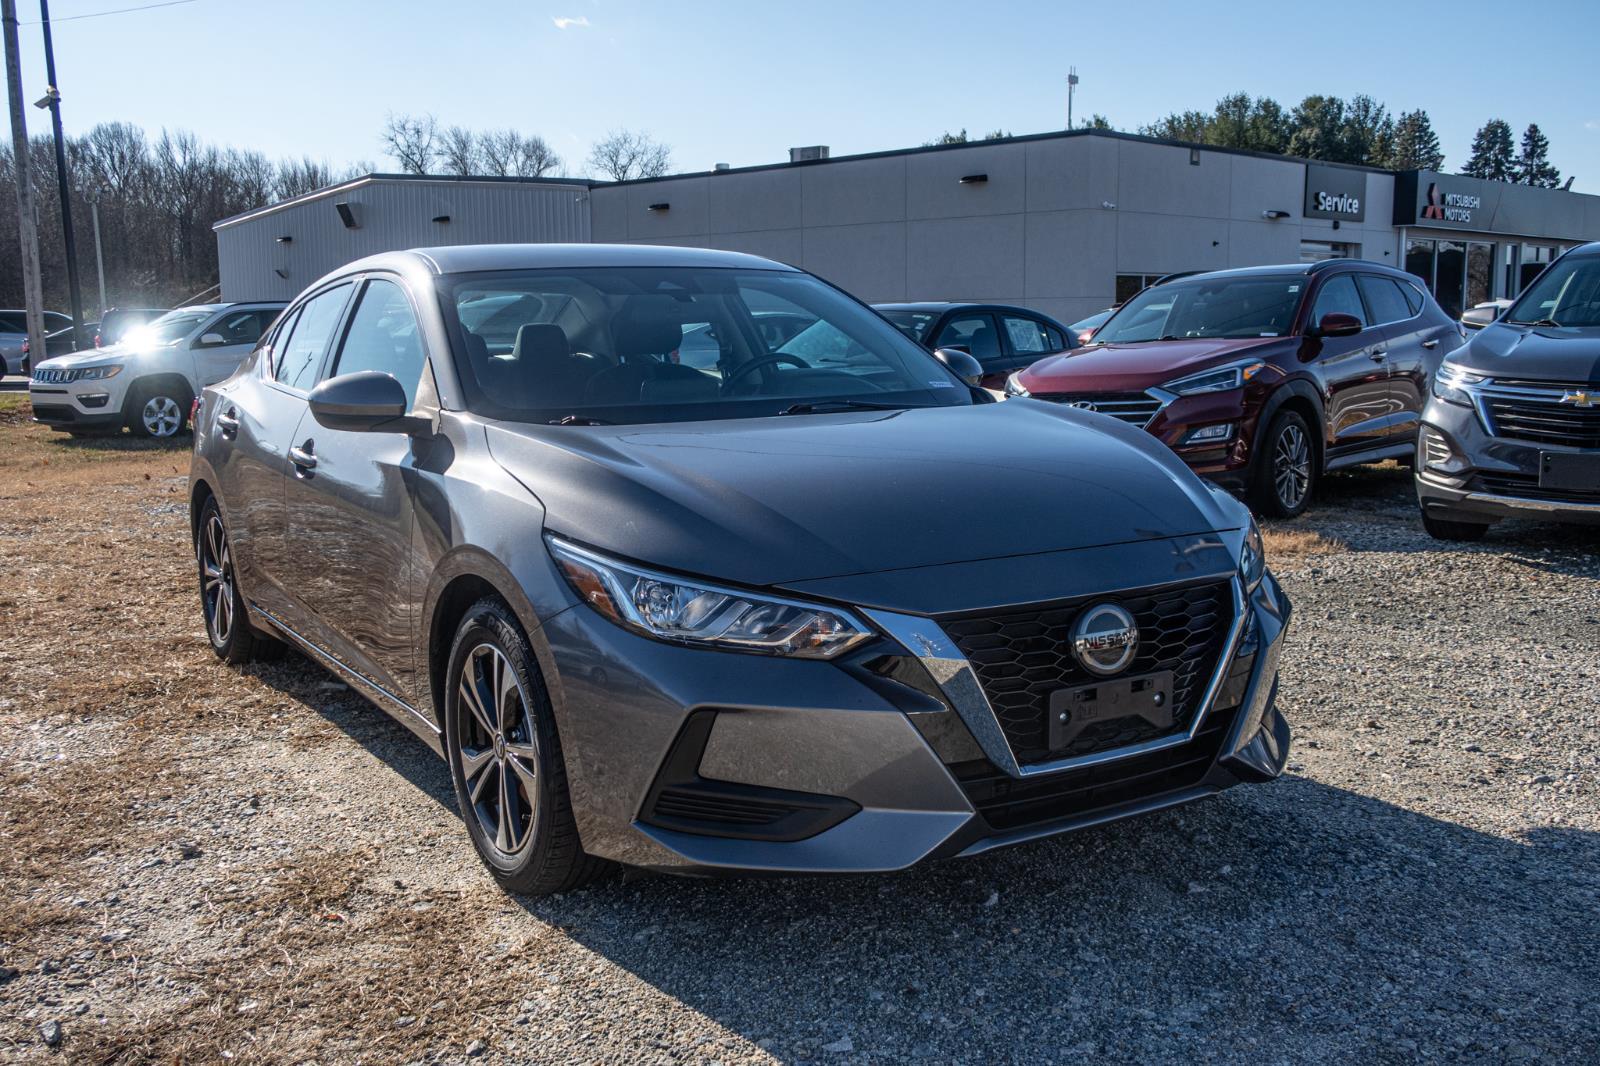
1147	696
1572	471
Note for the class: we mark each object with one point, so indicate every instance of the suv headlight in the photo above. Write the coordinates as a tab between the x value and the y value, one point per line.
686	611
1453	384
1252	557
1014	386
1220	379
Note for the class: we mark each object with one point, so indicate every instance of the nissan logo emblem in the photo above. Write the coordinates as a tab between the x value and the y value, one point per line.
1104	639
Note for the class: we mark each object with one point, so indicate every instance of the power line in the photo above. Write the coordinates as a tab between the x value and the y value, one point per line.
118	11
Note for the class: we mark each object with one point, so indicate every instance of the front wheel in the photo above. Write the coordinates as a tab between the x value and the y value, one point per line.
505	759
1285	467
158	411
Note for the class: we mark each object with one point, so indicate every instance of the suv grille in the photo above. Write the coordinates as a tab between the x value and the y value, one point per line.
1134	408
55	377
1022	655
1533	411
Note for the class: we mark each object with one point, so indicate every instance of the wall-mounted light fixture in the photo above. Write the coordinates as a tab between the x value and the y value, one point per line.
659	207
1108	205
1215	243
282	273
346	215
974	179
441	218
1335	223
1194	157
1274	214
285	239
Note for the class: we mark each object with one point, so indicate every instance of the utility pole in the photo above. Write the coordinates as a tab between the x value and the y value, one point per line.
1072	86
99	254
32	290
52	100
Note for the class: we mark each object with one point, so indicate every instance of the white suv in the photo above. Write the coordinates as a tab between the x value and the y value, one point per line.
149	380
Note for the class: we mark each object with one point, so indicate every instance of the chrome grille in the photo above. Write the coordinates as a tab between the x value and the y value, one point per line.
55	377
1134	408
1534	411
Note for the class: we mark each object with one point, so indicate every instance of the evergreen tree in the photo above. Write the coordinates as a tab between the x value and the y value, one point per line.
1492	156
1415	146
1318	123
1367	132
1240	122
1188	126
1533	165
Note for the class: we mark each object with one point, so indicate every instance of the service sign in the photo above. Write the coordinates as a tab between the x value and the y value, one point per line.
1335	192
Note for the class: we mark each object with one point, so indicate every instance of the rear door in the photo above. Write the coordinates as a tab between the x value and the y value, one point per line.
1353	370
349	505
1405	332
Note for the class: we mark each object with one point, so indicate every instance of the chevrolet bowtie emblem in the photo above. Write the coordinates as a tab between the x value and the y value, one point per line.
1581	398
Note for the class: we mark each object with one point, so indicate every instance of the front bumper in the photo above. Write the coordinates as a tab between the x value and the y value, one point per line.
1466	474
784	766
95	404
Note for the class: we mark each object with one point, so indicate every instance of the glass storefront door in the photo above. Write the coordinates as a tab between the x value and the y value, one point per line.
1450	276
1480	273
1419	260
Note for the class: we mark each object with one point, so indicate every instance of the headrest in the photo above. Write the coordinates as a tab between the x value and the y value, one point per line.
648	326
540	342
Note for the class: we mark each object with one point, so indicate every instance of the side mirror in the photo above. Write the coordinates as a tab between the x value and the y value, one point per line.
211	340
1337	324
960	364
367	401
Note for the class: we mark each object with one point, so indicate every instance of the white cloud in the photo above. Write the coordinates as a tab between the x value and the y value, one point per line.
567	22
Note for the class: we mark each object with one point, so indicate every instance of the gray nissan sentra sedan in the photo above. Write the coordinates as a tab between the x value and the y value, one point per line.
815	606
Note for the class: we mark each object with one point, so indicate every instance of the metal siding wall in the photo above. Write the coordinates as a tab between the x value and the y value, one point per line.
391	215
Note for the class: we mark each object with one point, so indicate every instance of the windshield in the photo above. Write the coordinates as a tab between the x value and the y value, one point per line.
913	324
1207	307
168	329
662	344
1568	294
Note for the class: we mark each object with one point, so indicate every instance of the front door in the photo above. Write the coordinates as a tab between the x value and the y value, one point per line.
225	342
1354	372
350	516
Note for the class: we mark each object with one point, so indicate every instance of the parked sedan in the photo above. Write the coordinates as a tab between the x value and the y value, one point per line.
1000	337
1262	379
14	331
742	617
61	342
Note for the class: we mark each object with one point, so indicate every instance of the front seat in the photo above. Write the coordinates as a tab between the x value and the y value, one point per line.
984	344
644	333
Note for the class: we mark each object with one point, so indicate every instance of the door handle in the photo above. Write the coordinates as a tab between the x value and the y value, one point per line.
1378	355
228	423
303	459
1430	344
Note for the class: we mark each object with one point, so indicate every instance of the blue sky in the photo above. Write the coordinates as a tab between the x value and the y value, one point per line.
739	82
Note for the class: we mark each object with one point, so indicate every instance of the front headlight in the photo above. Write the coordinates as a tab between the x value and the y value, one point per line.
1014	386
685	611
1221	379
1252	557
1453	384
97	373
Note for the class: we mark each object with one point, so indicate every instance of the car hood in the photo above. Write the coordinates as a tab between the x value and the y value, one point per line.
769	501
111	353
1121	367
1567	353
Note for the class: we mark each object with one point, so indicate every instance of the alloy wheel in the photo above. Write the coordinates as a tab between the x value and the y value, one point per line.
216	580
499	749
1291	466
161	416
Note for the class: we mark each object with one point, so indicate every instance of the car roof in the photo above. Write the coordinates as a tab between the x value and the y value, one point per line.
1321	266
945	305
467	258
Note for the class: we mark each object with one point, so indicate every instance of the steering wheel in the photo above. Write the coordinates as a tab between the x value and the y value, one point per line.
755	364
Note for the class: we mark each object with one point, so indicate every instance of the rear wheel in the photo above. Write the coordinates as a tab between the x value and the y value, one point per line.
158	411
1285	467
227	626
505	759
1444	529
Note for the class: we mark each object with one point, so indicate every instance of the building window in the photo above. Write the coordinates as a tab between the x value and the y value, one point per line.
1535	257
1419	261
1317	251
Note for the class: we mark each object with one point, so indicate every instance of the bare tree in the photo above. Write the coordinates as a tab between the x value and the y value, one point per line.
508	154
536	158
459	152
296	177
624	155
413	141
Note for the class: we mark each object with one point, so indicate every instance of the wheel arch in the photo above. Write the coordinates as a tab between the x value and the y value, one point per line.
1301	397
461	580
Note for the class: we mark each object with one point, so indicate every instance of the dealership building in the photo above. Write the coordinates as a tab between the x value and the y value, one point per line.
1067	223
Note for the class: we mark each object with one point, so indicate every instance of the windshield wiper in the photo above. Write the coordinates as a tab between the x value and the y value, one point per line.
820	406
580	420
1543	322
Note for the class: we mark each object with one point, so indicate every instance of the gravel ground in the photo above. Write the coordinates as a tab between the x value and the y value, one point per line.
199	863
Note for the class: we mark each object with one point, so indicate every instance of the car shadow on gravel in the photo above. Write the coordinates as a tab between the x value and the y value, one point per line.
120	441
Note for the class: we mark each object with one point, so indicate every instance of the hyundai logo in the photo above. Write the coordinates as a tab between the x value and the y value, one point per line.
1084	405
1104	639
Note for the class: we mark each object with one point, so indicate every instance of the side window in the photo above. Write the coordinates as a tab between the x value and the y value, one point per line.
11	323
300	350
975	333
1339	295
383	336
1029	336
1384	297
236	327
1413	295
1058	340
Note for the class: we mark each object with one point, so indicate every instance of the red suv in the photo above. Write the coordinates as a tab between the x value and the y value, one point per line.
1264	378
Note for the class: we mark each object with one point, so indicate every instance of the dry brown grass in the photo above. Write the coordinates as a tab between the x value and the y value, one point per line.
1290	544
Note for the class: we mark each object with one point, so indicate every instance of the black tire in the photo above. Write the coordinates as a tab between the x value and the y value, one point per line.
1284	474
221	603
1444	529
159	409
505	759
